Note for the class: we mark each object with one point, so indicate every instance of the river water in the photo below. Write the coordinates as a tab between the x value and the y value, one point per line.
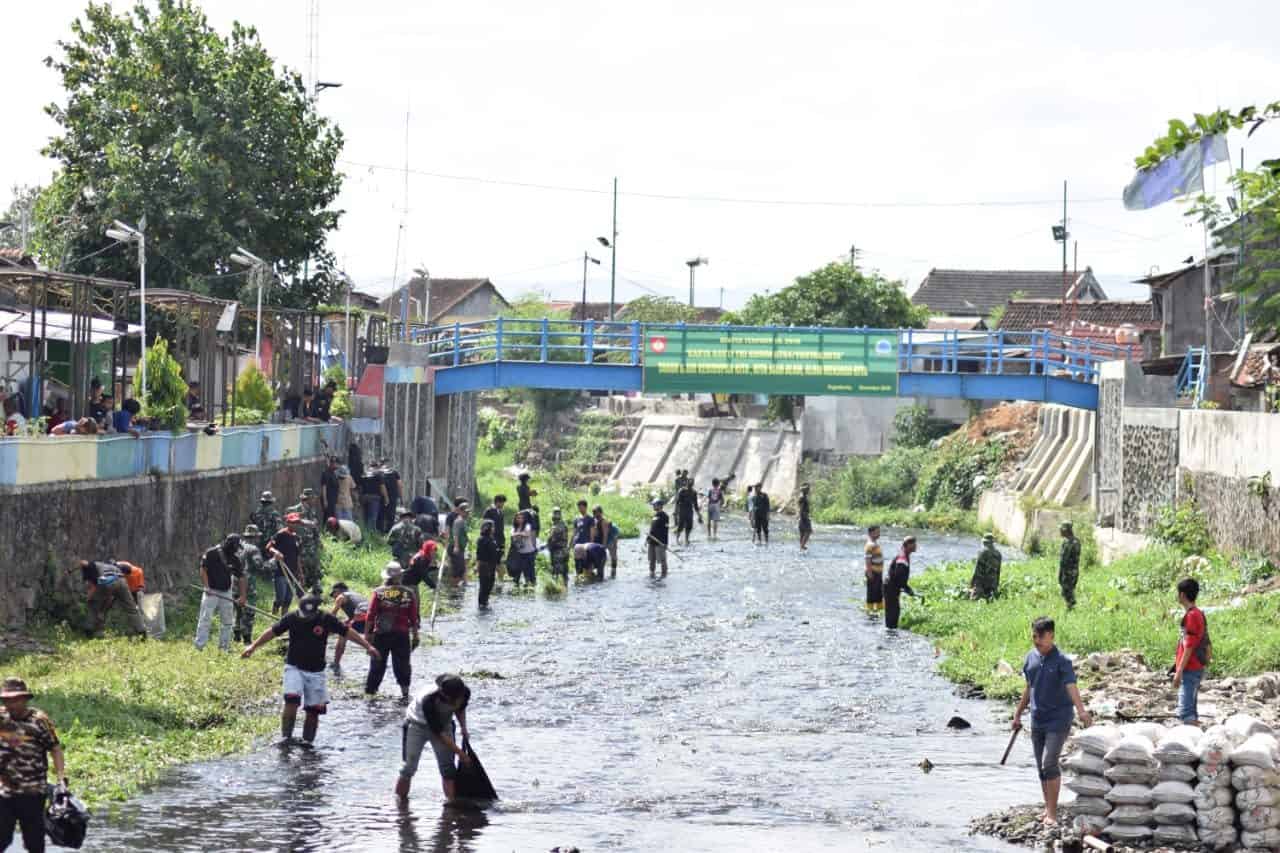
745	703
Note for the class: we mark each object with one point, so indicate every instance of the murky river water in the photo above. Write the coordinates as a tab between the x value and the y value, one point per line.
745	703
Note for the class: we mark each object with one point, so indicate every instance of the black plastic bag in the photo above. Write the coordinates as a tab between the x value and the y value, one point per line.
66	820
472	782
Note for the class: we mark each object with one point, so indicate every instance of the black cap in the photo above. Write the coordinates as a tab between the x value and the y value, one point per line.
309	605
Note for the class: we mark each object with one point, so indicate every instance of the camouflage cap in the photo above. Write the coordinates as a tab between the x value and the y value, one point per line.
251	530
307	493
403	511
988	538
267	498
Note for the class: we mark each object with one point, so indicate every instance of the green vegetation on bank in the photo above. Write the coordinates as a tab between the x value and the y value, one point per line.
1130	603
923	481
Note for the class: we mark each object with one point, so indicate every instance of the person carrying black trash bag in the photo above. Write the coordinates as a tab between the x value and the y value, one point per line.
392	628
27	740
897	582
430	719
658	539
305	682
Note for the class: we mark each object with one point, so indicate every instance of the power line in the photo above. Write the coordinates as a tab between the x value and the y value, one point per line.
718	199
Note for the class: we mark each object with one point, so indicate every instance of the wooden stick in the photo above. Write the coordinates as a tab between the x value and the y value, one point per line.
1094	843
649	536
1008	749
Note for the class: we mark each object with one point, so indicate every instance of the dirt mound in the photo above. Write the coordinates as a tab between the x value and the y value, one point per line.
1015	423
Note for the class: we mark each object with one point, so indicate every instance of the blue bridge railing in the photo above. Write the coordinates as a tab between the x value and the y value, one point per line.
1036	353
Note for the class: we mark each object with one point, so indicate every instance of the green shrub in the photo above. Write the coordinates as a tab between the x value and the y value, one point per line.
1184	527
495	430
949	478
915	427
880	481
341	406
253	393
248	417
166	399
527	420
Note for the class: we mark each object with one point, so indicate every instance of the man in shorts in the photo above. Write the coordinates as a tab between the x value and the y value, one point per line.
715	503
304	677
873	557
1053	696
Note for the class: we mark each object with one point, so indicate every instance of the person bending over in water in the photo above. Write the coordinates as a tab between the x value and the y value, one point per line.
429	719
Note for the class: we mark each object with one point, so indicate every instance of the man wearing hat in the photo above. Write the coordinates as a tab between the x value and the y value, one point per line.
1069	564
404	538
805	523
267	519
224	583
284	549
308	538
658	538
558	546
986	572
253	564
27	739
458	541
392	628
304	679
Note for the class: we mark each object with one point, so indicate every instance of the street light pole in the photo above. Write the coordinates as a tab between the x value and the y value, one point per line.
258	268
585	259
613	254
694	264
123	233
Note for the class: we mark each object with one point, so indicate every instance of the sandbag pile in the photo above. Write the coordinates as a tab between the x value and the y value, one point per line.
1173	797
1086	775
1256	782
1133	772
1214	796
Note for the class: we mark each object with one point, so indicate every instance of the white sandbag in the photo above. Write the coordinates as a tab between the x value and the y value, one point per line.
1178	745
1215	747
1258	818
1097	740
1095	806
1217	838
1243	726
1131	814
1132	749
1150	731
1246	778
1217	775
1127	832
1211	795
151	606
1088	824
1167	813
1130	795
1264	838
1081	762
1252	797
1216	818
1088	785
1172	792
1131	774
1258	751
1178	835
1177	773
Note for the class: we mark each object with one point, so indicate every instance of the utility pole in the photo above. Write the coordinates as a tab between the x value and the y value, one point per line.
613	253
694	264
853	257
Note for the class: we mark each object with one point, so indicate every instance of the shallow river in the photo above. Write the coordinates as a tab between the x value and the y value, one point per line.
745	703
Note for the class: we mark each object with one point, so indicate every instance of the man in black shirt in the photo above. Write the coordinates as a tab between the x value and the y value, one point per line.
304	679
659	533
285	549
225	585
329	488
523	498
488	555
495	514
805	523
761	520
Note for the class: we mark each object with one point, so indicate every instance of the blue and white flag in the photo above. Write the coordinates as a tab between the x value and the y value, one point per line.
1176	175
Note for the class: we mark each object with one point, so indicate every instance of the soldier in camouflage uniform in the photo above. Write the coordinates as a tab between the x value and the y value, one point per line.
405	538
558	546
267	519
986	573
1069	565
254	565
309	539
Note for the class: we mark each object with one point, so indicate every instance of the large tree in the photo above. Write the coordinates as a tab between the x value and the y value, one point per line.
835	295
199	132
1253	224
19	218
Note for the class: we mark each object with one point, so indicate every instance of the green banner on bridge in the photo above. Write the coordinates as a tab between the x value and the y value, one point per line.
769	361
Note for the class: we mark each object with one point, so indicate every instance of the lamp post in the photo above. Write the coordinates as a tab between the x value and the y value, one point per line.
585	259
612	246
346	330
693	265
128	234
245	258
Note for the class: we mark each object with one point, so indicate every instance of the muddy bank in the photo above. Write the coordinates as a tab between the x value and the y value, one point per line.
1021	825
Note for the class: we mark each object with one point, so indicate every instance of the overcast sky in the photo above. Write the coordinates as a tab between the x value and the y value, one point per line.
916	123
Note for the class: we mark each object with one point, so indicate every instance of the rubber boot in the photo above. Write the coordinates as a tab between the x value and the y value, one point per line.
402	788
309	727
286	727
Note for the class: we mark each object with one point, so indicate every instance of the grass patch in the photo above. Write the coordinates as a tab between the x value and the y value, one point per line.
942	518
1128	604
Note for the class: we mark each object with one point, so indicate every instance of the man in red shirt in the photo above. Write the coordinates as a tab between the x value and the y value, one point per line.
392	628
1192	653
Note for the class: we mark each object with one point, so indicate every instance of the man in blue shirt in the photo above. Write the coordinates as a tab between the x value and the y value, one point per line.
1052	693
122	421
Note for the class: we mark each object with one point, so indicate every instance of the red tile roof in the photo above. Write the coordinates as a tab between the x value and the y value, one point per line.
1024	315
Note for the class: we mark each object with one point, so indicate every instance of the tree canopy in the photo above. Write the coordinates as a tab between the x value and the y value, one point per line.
199	132
19	215
1253	225
659	309
835	295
